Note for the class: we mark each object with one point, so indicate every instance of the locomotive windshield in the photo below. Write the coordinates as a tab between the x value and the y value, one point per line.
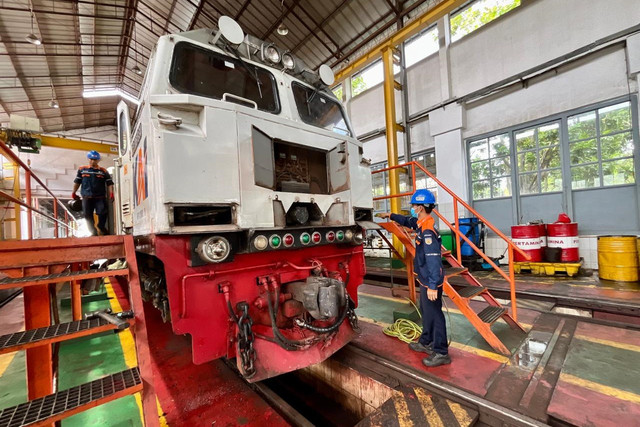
319	110
203	72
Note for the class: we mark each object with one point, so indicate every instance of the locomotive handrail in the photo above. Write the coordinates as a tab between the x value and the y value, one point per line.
511	247
28	174
240	98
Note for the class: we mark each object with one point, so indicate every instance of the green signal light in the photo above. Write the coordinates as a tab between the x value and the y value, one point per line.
305	238
340	235
275	241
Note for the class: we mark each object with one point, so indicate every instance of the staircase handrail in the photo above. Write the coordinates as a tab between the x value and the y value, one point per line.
511	247
6	151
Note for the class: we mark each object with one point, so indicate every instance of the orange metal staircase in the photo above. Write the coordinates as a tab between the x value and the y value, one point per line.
461	295
36	266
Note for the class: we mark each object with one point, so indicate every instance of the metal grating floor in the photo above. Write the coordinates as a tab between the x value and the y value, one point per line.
470	291
54	331
56	404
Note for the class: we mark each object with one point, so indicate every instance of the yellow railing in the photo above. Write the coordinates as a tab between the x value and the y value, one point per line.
28	203
511	247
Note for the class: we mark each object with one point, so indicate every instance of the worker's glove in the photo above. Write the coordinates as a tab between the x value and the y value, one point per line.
74	196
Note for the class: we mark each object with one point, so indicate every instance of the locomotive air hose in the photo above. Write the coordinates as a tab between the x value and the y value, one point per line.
284	342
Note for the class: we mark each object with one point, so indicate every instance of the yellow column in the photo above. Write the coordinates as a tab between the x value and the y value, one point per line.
392	138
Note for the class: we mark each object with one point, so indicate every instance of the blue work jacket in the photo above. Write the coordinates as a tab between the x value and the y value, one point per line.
93	181
427	263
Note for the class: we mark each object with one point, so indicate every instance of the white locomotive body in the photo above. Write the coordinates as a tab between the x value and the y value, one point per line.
241	160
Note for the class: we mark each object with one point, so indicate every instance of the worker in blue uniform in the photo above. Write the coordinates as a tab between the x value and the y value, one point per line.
430	276
96	185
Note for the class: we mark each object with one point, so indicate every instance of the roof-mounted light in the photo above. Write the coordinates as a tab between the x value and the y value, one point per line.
288	61
271	53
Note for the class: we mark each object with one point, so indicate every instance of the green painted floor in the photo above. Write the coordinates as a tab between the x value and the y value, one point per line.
80	361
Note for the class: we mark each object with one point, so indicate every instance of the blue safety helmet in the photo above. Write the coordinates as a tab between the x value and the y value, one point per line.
423	197
93	155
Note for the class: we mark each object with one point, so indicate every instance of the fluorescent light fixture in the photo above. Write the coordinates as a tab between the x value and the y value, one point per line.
33	39
103	93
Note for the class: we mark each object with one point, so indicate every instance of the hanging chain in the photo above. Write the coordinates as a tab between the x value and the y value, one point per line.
351	313
246	351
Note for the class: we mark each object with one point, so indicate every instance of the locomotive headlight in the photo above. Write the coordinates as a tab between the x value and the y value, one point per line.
260	243
288	61
358	237
348	235
214	249
271	53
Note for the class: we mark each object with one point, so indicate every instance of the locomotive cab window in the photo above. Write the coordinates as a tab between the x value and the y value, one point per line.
207	73
319	110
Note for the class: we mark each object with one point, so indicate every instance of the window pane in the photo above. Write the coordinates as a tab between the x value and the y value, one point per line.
477	14
585	177
203	72
421	46
481	190
549	135
550	157
582	126
370	77
551	180
480	170
615	118
499	145
500	166
337	91
525	140
615	146
618	172
528	183
319	110
478	150
528	162
584	151
501	187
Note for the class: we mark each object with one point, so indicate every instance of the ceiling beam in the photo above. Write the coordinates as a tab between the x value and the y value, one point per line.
321	25
196	15
244	7
283	15
414	27
333	50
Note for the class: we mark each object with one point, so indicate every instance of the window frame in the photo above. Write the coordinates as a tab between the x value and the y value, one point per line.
274	84
490	178
567	190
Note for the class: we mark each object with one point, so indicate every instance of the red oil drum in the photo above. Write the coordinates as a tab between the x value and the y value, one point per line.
542	228
565	237
527	238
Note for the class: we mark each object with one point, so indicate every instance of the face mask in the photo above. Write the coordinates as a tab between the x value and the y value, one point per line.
414	213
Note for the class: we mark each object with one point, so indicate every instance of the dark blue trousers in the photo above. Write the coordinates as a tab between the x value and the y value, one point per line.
99	205
434	327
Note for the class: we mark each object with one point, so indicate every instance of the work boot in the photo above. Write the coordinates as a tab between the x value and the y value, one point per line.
436	359
419	347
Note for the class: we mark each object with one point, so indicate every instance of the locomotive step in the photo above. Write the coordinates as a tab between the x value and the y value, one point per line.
470	291
65	276
491	314
55	333
54	407
548	268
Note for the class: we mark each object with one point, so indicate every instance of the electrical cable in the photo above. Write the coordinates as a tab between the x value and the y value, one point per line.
409	331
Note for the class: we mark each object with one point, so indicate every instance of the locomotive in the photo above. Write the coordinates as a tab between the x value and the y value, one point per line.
247	195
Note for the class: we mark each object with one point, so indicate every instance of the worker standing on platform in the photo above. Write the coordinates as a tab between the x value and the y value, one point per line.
428	267
96	183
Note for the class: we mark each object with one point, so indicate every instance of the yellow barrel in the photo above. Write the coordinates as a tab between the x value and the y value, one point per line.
618	258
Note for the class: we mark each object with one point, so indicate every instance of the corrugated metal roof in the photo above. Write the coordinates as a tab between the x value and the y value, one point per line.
95	44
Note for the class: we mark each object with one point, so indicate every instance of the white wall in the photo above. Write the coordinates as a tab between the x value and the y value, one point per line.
530	35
